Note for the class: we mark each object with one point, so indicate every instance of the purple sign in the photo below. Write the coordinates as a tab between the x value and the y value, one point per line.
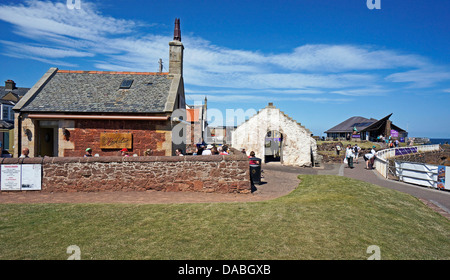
356	136
394	133
405	151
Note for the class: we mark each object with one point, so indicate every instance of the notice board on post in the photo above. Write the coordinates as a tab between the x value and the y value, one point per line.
21	177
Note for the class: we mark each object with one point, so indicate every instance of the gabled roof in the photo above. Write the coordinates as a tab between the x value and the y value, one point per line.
362	124
19	92
347	126
99	92
377	125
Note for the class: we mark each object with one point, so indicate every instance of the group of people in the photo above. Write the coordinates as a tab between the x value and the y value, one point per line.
209	149
389	141
352	153
123	152
202	150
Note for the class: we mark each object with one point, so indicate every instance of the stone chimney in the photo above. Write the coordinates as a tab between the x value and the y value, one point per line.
10	85
176	51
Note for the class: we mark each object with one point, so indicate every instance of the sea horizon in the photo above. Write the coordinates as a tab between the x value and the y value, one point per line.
439	140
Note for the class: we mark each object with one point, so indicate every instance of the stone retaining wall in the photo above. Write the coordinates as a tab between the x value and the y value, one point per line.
222	174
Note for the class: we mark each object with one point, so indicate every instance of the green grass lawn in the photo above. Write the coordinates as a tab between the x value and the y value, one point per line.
326	217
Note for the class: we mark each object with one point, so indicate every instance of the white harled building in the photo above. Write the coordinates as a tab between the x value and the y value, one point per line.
274	136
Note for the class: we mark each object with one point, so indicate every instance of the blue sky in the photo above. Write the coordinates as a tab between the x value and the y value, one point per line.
319	61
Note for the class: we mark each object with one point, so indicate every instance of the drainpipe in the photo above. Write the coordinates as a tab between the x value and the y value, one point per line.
19	134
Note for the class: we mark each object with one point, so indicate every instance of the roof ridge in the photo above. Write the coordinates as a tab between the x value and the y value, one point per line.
111	72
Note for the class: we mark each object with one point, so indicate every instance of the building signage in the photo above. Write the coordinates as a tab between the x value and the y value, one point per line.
394	133
116	140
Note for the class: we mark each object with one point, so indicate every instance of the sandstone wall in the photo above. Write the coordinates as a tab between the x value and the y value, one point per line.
222	174
154	135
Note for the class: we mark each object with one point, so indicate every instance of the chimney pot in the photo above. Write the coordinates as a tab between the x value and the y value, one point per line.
10	85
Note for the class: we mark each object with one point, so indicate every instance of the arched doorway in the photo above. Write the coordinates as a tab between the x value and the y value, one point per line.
273	146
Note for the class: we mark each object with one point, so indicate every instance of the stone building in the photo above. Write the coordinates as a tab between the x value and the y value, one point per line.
66	112
196	118
274	136
9	96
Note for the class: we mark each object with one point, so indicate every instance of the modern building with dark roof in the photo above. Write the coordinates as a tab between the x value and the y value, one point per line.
366	129
67	111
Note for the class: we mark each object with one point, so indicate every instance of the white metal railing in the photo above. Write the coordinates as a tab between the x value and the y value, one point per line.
381	163
417	173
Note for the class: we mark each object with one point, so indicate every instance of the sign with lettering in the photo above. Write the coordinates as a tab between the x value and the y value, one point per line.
10	177
31	177
405	151
116	140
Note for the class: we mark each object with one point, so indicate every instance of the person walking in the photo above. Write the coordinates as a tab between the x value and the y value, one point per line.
356	150
349	155
338	149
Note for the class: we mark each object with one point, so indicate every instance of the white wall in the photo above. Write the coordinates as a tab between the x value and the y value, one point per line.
297	142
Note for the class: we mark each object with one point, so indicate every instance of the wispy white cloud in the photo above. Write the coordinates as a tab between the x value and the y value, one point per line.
337	58
43	51
43	18
57	35
363	91
260	98
421	78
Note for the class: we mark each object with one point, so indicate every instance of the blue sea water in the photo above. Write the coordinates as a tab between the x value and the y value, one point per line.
439	141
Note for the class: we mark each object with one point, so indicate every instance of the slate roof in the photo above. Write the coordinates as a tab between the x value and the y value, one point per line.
6	125
20	92
347	126
99	92
361	125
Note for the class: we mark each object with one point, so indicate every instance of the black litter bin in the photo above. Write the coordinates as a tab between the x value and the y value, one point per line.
255	171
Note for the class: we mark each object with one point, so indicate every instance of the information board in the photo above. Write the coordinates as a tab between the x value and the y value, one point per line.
10	177
31	177
21	177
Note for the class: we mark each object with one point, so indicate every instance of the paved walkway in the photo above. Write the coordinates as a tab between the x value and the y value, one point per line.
276	184
278	181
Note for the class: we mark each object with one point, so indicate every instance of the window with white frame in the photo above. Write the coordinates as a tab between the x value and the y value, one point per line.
7	113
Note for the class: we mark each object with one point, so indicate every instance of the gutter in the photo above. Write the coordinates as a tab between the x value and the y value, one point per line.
98	117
